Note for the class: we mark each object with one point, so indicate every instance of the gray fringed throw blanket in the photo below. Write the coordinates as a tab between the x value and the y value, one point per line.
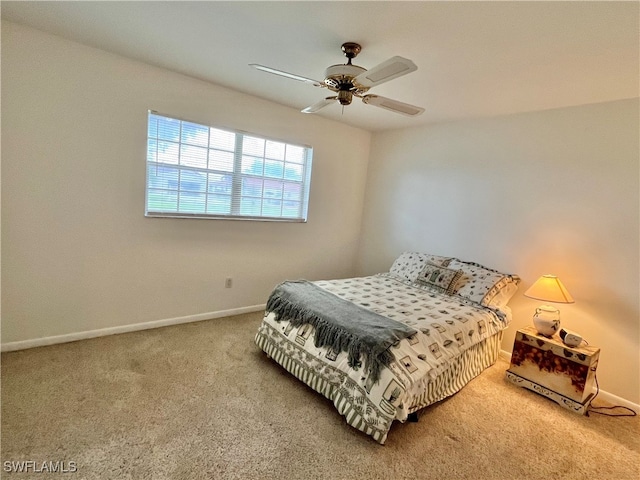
341	325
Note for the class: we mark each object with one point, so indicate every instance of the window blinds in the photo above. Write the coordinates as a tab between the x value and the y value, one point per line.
199	171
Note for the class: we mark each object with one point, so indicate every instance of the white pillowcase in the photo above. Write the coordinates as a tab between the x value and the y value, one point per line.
484	285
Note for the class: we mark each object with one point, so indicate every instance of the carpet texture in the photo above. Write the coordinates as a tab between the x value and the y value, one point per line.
201	401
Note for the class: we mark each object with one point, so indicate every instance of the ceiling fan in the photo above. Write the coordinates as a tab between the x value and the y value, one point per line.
350	81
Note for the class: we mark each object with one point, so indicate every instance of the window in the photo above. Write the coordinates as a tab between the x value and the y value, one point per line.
198	171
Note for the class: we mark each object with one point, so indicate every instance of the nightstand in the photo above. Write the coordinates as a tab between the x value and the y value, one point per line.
547	366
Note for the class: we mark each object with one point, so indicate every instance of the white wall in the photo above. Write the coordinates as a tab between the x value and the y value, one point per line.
78	253
547	192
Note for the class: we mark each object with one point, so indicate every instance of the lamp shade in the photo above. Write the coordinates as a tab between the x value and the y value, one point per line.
549	288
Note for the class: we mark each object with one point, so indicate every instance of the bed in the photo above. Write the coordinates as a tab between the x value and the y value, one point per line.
382	347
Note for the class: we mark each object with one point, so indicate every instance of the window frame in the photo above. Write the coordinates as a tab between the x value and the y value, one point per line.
237	176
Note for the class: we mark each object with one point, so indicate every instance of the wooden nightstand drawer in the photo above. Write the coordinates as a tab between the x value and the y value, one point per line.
549	367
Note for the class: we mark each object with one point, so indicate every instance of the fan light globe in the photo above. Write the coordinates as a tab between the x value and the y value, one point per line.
345	97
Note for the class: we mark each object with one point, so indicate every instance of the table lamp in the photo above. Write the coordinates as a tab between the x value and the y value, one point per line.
548	288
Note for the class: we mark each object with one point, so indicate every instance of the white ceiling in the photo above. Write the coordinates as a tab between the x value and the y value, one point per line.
474	58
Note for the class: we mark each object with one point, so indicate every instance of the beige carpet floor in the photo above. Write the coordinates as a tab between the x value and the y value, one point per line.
200	401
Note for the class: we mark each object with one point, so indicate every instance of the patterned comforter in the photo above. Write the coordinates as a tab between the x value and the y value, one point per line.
447	327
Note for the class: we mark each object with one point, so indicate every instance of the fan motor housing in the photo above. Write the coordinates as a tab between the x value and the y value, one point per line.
339	76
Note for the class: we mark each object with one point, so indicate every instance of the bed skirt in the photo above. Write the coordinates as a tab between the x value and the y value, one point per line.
468	365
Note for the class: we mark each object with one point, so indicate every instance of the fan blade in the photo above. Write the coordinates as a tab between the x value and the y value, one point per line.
393	68
321	104
313	82
393	105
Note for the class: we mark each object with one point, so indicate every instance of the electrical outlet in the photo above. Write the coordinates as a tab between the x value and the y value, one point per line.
228	282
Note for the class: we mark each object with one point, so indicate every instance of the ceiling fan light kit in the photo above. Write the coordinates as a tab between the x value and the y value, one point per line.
348	80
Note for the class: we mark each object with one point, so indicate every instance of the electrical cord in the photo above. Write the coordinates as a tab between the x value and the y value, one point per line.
592	409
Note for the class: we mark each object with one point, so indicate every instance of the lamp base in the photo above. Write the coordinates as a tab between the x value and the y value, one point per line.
547	320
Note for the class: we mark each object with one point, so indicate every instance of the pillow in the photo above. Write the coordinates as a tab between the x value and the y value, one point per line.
441	279
503	292
409	264
484	285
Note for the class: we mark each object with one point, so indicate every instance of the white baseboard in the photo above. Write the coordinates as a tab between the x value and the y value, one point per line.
614	400
602	395
506	356
72	337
